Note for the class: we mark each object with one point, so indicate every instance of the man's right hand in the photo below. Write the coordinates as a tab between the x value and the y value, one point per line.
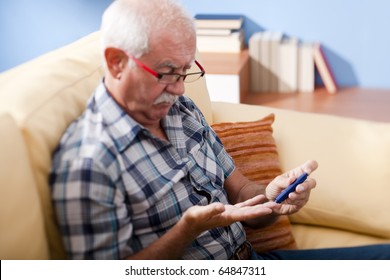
198	219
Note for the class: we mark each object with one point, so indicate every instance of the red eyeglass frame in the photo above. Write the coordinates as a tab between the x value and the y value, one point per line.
160	75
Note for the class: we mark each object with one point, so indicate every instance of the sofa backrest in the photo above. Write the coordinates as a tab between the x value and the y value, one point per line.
44	96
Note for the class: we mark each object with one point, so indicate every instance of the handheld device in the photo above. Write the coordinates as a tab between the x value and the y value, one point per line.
284	194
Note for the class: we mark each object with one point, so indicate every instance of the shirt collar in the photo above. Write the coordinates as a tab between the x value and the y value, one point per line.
124	129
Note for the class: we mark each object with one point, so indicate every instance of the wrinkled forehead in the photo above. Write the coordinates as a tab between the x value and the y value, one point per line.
173	45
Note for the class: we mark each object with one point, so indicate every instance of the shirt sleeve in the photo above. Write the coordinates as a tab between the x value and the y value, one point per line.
91	211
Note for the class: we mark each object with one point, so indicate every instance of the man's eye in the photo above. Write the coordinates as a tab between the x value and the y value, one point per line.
169	70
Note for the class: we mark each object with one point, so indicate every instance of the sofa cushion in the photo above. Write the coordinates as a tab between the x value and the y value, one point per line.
353	175
254	151
22	234
314	236
44	96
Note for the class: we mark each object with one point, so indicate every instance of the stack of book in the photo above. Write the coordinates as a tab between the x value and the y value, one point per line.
284	64
219	33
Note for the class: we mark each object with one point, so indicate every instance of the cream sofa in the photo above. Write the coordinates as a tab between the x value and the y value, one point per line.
350	205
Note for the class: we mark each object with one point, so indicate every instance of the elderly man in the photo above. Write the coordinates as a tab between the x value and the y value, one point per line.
140	174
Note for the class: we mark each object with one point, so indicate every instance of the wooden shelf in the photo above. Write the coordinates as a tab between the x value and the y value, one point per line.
227	75
362	103
224	63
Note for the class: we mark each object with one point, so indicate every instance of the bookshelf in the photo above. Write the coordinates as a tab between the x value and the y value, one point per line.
227	75
354	102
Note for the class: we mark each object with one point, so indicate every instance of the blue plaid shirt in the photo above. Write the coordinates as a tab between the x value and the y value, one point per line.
116	188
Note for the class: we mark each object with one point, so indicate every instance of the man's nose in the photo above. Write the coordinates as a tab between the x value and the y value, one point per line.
176	88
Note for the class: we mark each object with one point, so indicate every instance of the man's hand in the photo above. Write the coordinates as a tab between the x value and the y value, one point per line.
202	218
296	200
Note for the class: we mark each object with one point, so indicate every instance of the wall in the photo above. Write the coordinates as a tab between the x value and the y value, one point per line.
355	33
29	28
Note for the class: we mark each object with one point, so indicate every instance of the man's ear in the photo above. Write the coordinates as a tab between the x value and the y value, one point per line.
116	61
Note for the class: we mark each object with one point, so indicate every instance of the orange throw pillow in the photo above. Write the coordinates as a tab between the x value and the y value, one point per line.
254	151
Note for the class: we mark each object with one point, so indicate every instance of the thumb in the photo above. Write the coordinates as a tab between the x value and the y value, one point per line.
309	166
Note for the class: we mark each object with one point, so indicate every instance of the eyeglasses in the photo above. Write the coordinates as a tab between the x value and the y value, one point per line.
170	78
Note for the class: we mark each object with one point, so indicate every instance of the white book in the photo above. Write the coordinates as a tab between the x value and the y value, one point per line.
231	43
274	64
265	60
220	47
254	61
288	63
232	37
214	31
218	21
306	68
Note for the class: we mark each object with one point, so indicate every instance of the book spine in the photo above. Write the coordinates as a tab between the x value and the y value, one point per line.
254	61
288	72
324	69
306	67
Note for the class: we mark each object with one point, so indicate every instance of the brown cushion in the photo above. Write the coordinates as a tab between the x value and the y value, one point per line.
254	151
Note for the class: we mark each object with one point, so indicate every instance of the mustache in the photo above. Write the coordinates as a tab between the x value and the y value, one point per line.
166	98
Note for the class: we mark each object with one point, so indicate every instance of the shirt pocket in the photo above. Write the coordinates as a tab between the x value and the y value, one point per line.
205	174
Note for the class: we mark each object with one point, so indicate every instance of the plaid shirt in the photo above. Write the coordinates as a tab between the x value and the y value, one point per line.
116	188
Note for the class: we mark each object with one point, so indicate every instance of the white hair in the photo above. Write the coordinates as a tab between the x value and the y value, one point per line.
129	24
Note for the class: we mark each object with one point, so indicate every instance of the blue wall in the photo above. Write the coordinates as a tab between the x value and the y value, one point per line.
29	28
355	33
